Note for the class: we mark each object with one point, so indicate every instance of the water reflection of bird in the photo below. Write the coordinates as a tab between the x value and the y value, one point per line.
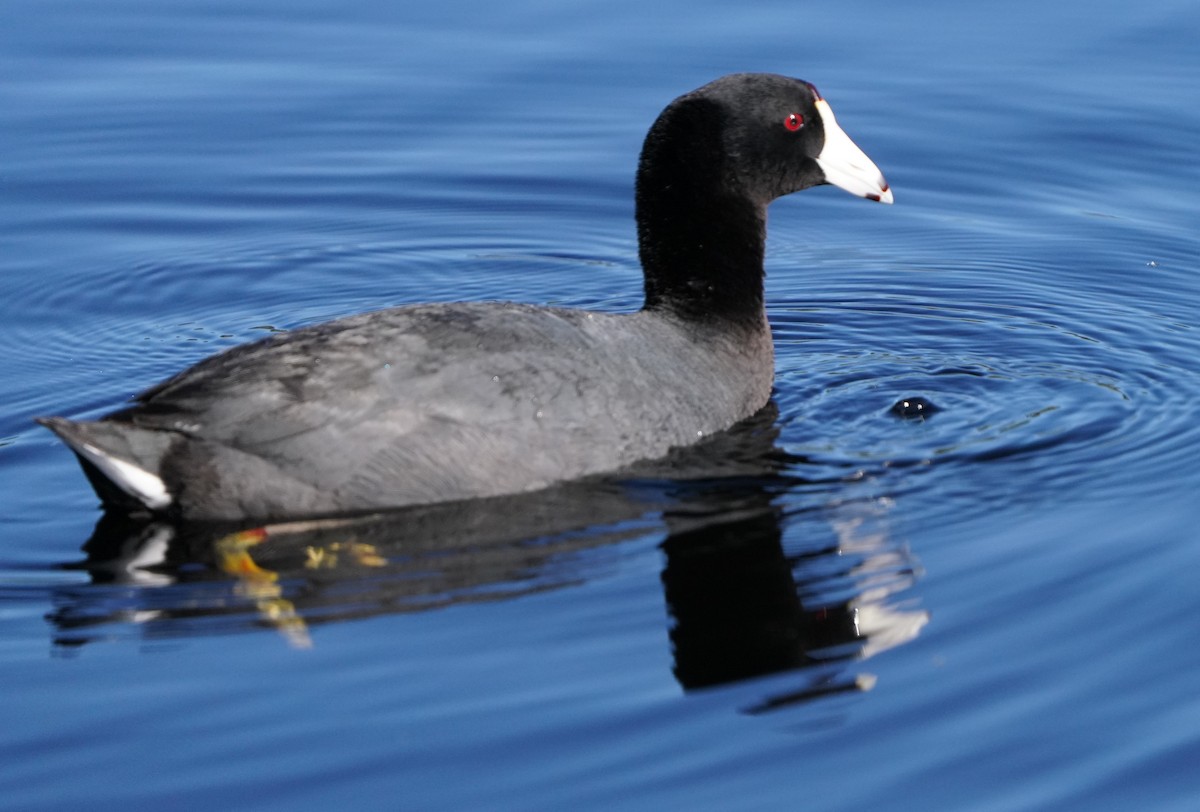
745	603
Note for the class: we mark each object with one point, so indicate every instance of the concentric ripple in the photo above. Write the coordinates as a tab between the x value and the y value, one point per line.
1090	397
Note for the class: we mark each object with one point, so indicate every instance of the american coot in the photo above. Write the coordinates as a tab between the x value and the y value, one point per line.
438	402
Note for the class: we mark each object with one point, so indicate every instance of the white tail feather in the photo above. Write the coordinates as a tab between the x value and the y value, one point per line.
137	482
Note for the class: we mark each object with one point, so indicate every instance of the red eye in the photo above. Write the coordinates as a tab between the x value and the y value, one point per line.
793	122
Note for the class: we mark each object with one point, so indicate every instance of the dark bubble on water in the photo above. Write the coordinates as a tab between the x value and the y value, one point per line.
914	408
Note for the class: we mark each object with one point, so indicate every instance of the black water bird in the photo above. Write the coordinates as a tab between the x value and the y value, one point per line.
438	402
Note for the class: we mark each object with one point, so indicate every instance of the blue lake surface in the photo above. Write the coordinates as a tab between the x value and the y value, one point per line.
990	609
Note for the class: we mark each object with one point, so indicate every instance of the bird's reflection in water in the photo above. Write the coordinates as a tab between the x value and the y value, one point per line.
185	580
754	582
748	599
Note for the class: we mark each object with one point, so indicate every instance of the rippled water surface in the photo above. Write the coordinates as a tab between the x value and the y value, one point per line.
988	605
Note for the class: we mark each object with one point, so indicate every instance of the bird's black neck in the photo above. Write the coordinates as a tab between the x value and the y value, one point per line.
701	240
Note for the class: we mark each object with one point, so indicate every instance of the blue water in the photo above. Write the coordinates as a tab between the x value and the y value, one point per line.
989	609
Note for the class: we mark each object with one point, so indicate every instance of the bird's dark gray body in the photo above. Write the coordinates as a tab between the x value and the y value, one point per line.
366	411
